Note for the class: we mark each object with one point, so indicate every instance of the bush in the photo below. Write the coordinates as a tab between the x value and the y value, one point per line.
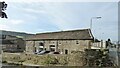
4	61
63	61
50	60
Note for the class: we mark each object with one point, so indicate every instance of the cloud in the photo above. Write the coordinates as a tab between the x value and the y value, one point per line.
15	22
62	1
30	9
64	16
33	10
10	24
4	27
60	15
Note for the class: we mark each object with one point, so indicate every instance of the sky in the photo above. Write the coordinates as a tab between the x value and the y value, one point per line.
39	17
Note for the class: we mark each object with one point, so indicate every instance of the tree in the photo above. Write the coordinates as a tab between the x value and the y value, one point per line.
3	7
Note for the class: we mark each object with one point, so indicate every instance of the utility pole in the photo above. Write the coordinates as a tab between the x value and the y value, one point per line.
91	21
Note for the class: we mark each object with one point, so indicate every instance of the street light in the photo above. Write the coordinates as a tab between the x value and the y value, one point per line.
91	21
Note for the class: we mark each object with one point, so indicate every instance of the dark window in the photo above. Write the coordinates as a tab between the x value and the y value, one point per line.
40	49
45	48
59	42
77	42
52	49
52	45
66	51
41	44
18	47
34	49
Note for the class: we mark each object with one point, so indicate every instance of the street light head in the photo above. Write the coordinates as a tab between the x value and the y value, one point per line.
91	21
98	17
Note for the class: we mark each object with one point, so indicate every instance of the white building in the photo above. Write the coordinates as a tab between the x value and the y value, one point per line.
99	45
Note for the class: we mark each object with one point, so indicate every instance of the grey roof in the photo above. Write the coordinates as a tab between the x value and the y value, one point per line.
71	34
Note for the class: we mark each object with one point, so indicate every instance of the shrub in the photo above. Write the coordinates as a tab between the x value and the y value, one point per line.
4	61
50	60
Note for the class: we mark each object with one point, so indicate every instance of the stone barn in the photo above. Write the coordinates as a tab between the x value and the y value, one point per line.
64	42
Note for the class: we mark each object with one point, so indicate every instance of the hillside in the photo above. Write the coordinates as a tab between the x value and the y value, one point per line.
12	33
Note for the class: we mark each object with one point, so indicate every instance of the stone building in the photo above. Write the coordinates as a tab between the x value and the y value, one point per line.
64	42
12	43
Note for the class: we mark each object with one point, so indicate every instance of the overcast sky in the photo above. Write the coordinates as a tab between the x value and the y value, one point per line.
38	17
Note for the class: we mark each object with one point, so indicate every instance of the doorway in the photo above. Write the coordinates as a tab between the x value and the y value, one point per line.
66	51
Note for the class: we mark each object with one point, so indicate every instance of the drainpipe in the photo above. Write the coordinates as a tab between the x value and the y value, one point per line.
56	47
44	44
101	43
34	46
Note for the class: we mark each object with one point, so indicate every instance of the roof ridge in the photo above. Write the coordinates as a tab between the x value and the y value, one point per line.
63	31
69	34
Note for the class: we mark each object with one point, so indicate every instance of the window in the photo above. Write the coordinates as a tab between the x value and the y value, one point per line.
52	49
77	42
59	42
41	44
18	47
40	49
66	51
52	45
45	48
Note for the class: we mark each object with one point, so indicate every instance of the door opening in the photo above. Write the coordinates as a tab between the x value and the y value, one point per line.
66	51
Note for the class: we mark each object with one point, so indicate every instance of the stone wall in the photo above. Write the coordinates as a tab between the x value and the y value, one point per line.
21	58
60	45
29	46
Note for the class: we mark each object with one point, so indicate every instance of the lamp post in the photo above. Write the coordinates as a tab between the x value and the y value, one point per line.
91	21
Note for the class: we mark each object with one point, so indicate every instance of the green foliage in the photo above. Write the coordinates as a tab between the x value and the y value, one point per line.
50	60
99	58
4	61
63	61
